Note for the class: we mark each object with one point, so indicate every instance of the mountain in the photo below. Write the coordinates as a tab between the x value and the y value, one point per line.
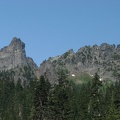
13	59
24	97
103	59
14	55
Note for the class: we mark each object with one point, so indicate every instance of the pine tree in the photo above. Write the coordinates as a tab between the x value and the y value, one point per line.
94	103
59	102
41	99
84	99
111	111
117	100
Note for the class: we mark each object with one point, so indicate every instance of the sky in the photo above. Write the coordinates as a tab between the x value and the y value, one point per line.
51	27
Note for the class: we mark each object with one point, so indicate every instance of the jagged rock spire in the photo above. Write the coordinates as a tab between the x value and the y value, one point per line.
17	42
14	55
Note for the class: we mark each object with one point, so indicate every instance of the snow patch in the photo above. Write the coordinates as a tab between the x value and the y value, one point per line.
73	75
101	79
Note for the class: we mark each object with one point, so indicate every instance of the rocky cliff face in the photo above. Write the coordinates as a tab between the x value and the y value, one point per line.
104	59
14	55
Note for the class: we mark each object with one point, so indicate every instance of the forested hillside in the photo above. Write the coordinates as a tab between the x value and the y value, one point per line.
74	86
39	100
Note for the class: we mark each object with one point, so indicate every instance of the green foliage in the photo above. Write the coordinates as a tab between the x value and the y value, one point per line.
41	98
15	101
94	103
111	111
59	101
65	55
38	100
80	79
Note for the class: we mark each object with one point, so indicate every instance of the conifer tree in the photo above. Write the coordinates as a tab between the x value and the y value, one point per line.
41	99
94	103
111	111
60	108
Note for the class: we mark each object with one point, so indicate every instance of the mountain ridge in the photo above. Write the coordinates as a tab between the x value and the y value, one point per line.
14	55
103	59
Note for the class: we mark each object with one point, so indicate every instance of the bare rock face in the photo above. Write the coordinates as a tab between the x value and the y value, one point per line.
103	59
32	64
14	55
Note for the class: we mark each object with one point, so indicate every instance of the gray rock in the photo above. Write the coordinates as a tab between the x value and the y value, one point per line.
14	55
104	59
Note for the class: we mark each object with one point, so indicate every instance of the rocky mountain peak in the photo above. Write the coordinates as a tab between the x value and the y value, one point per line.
71	51
16	42
14	55
104	59
118	46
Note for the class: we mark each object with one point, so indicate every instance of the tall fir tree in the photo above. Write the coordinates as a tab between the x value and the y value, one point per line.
41	99
59	102
94	103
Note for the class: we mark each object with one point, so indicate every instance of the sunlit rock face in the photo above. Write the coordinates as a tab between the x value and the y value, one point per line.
13	55
103	59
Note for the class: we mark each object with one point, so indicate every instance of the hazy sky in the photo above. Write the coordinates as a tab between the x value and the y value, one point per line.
52	27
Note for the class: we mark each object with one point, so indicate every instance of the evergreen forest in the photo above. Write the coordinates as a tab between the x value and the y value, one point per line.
66	100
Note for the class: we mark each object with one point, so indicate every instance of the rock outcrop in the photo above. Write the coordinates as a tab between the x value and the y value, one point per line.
103	59
14	55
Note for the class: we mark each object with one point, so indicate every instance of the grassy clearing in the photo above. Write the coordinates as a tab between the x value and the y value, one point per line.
79	79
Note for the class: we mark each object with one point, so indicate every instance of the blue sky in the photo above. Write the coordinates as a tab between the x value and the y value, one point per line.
52	27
